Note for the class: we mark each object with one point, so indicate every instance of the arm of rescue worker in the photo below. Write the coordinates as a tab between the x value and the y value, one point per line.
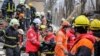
14	7
97	39
59	42
33	39
1	33
1	38
34	9
4	5
24	8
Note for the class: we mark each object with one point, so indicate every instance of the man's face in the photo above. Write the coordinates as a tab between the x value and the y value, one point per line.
20	17
20	35
15	26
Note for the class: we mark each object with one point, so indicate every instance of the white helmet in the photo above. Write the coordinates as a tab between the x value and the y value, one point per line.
63	19
14	22
42	13
21	31
37	21
21	1
37	13
27	6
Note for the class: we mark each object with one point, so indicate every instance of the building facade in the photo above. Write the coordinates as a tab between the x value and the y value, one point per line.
58	10
68	9
38	4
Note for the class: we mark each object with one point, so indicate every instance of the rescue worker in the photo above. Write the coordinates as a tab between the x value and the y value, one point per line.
18	11
84	44
95	28
49	17
33	35
32	11
43	30
21	6
22	40
11	44
49	40
71	38
20	35
22	21
43	34
42	14
10	8
71	35
38	15
2	28
1	16
48	43
3	8
44	20
28	16
61	40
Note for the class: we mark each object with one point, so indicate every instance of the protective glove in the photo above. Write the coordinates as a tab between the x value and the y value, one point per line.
65	52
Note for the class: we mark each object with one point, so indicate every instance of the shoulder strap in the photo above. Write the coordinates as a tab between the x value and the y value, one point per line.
75	43
78	41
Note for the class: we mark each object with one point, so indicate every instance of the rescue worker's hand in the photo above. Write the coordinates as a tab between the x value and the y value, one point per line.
65	52
97	39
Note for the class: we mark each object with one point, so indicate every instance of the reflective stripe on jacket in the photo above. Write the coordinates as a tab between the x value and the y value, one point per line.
61	43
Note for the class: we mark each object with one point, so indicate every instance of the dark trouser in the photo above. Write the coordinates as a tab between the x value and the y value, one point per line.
33	54
97	49
22	24
27	23
13	51
9	14
32	19
4	14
